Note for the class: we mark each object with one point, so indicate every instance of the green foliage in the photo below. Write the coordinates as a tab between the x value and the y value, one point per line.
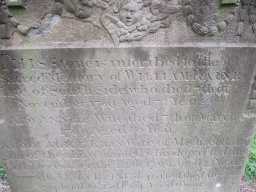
16	11
3	173
250	168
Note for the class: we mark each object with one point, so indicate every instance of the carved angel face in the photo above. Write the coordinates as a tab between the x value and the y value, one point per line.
84	8
131	13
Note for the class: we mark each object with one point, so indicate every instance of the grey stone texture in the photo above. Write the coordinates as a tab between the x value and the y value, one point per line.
130	22
126	95
4	186
126	119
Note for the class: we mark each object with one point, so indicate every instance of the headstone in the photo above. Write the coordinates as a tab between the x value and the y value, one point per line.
131	96
136	119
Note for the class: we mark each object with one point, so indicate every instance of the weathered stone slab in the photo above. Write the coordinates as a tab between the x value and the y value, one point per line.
133	119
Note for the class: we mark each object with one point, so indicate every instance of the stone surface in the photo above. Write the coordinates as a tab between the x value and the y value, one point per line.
126	95
126	119
247	186
134	22
4	186
23	29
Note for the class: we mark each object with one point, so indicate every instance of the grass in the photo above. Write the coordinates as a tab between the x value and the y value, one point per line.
3	173
250	168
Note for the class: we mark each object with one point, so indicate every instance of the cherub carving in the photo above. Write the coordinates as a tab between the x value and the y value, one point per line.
132	20
123	20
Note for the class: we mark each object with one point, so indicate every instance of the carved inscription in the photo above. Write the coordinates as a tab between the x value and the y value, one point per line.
123	119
